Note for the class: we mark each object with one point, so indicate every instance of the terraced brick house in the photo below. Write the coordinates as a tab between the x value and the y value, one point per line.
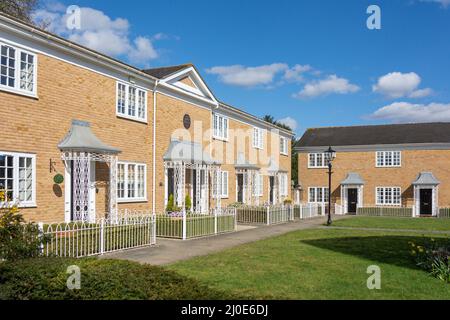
87	135
379	166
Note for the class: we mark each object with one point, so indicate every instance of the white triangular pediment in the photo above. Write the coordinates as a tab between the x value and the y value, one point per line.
189	81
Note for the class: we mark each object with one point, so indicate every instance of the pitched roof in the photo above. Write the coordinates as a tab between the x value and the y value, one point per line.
163	72
412	133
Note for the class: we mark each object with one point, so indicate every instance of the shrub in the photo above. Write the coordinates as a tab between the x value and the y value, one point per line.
46	278
187	203
434	258
18	239
170	203
287	201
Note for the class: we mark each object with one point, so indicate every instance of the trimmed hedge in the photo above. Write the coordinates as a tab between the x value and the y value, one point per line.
101	279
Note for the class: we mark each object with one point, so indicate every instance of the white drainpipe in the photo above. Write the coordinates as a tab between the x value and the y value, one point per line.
154	149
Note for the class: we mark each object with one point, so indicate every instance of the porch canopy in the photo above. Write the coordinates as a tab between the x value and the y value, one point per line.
187	155
81	146
352	178
426	179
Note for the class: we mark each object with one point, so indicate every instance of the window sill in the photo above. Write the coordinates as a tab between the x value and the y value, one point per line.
131	200
23	205
221	139
19	92
284	154
122	116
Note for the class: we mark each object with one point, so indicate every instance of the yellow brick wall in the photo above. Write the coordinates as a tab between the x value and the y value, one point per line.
363	163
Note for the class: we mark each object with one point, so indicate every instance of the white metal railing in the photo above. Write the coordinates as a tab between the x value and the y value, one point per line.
385	211
81	239
267	215
308	210
184	225
339	209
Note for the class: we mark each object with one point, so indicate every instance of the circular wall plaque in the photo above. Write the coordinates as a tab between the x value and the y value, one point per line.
186	121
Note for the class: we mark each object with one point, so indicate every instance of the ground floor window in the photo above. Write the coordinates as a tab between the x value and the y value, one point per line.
131	181
283	184
388	196
317	194
221	186
17	178
258	185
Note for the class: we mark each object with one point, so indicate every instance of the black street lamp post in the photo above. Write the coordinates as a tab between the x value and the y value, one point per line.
330	154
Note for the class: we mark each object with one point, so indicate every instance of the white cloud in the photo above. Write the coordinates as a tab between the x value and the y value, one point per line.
397	85
331	84
99	32
408	112
290	122
296	72
239	75
443	3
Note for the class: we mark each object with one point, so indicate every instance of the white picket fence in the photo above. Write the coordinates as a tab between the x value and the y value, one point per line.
194	225
339	209
267	215
81	239
308	210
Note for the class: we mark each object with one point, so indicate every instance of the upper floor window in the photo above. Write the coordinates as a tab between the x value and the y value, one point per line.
389	159
318	194
131	102
131	181
17	70
258	138
17	178
283	146
317	160
220	124
388	196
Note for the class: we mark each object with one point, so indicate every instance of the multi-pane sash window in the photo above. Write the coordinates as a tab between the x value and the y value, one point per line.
17	69
220	127
389	159
17	175
258	185
318	194
284	184
221	185
388	196
131	181
317	160
131	102
258	138
283	146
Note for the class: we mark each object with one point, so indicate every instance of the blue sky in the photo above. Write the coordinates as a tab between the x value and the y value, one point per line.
311	63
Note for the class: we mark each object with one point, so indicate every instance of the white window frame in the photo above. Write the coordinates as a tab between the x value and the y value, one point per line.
284	146
316	156
223	189
383	202
383	154
284	192
221	126
126	114
258	184
324	191
17	57
16	156
258	138
125	188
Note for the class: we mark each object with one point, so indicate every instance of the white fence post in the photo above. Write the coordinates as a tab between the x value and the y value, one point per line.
184	225
268	215
215	221
235	219
291	212
102	236
41	236
153	224
301	211
323	209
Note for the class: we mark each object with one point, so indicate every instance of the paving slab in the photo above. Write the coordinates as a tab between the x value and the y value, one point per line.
168	251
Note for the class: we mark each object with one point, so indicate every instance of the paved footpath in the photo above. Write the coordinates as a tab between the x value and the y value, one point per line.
170	250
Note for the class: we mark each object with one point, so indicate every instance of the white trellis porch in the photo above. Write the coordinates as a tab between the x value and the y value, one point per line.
80	150
190	171
248	172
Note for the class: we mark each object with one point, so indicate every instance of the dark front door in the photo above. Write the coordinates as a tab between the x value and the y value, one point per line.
272	184
426	201
240	188
352	200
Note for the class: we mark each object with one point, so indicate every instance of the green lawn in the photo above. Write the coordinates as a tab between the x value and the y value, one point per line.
431	224
318	264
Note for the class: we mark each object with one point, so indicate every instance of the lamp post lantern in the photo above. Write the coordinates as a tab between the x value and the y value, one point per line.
330	154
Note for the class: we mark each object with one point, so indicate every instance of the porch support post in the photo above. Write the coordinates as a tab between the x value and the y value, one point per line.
113	187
